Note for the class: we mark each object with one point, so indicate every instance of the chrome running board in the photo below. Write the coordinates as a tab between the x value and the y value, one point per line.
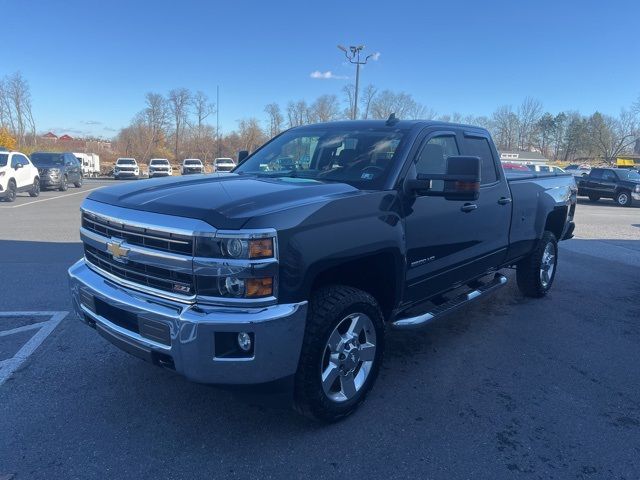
441	310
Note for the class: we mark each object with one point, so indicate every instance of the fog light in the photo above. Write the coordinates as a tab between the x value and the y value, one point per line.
244	341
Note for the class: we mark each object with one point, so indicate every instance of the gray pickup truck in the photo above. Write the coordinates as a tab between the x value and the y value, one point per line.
292	268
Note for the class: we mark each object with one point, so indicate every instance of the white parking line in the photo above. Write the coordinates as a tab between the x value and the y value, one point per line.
54	198
7	367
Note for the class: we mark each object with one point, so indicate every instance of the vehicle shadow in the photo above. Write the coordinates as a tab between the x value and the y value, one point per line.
605	202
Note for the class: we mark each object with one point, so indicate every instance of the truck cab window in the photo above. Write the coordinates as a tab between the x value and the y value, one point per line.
608	176
433	157
479	147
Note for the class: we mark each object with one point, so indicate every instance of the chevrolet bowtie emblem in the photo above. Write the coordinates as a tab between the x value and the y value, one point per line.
117	251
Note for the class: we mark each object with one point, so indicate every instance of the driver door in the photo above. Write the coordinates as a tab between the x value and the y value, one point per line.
21	172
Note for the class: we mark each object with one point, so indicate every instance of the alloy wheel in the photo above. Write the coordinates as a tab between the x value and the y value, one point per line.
348	357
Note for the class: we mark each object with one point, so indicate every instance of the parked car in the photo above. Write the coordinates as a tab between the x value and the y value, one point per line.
160	167
57	170
191	165
17	174
263	276
223	165
620	184
578	170
515	167
545	169
126	168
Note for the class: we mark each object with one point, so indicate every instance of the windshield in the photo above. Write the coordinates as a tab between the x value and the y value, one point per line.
126	161
39	159
361	158
4	157
225	161
193	162
159	162
629	175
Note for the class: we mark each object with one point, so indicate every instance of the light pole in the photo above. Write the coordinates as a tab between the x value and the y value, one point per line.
353	55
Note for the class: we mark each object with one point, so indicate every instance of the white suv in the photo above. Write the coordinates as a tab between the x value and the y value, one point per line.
191	165
17	174
126	168
159	167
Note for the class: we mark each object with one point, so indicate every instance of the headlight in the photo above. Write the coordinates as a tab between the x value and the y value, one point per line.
236	246
236	266
637	188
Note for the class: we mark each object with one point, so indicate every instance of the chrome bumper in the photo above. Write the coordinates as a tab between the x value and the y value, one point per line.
189	343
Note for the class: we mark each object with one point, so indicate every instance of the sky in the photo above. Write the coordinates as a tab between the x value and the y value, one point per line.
89	64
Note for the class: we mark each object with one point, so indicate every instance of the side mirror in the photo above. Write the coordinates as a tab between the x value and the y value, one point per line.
242	156
18	166
461	182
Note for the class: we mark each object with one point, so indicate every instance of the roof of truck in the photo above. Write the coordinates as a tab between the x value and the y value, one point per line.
402	124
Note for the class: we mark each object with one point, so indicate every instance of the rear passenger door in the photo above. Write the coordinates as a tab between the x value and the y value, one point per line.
494	204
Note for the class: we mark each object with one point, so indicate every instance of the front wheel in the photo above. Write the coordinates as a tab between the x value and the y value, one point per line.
341	353
12	190
623	198
594	198
35	189
64	184
78	184
535	273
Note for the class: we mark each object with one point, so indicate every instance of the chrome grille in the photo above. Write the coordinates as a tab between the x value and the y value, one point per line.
143	237
140	273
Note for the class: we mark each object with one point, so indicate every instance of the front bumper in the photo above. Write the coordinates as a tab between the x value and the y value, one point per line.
125	174
189	346
192	171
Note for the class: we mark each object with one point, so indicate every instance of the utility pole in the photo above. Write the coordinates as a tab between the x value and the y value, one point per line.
353	55
218	119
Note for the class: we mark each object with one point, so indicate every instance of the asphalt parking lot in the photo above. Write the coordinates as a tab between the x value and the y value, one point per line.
506	388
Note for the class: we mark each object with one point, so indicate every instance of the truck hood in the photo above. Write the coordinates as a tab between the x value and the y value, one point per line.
225	201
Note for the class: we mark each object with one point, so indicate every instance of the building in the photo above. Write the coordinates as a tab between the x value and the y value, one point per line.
520	156
65	138
50	136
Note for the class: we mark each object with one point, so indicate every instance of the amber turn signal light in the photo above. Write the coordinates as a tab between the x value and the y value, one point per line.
261	248
258	287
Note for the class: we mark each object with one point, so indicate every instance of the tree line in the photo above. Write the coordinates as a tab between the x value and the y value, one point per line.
178	124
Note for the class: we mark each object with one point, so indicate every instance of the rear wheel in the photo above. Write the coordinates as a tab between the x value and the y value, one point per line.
594	198
623	198
12	190
35	189
535	273
341	353
64	184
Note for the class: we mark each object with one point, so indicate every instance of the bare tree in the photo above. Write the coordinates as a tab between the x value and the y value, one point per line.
368	94
276	119
202	107
349	92
179	101
504	126
250	133
613	136
325	109
15	108
402	104
529	113
298	113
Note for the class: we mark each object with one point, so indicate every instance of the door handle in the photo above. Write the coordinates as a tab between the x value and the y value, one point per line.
504	201
469	207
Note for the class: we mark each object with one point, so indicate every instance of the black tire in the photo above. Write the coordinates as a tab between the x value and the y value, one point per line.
594	198
12	191
78	184
35	189
329	307
623	198
64	184
529	273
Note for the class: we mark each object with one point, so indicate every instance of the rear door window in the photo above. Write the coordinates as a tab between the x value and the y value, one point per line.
479	147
